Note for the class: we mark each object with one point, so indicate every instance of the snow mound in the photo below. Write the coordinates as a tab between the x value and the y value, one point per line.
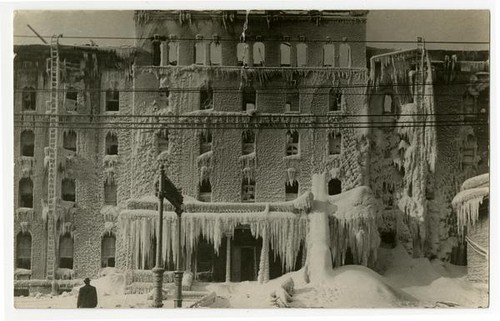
111	283
476	181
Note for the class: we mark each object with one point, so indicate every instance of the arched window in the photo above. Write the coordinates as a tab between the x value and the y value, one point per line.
292	142
68	190
335	99
108	251
206	97
111	144
29	98
248	191
112	100
162	140
334	143
301	54
344	55
248	138
205	141
292	101
110	192
23	251
291	190
329	55
26	192
242	53
199	51
334	187
259	54
388	104
215	52
205	194
69	140
249	96
27	143
66	252
285	52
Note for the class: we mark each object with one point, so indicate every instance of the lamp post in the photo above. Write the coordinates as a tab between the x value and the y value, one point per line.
158	269
178	273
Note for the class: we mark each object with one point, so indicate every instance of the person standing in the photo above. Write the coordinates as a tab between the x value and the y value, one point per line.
87	296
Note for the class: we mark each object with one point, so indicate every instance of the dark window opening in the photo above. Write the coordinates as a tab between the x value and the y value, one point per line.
27	143
111	144
292	143
23	251
301	55
69	140
29	99
162	139
66	252
156	51
291	190
26	192
108	251
248	191
335	100
249	98
112	100
71	93
388	239
248	138
205	194
292	101
334	143
68	190
110	192
206	97
334	187
205	142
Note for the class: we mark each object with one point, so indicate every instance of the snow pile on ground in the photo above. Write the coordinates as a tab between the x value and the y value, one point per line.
111	283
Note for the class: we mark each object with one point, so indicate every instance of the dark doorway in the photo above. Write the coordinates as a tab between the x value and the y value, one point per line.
248	263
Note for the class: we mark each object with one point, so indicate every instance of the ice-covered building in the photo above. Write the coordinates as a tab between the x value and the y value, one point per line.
242	109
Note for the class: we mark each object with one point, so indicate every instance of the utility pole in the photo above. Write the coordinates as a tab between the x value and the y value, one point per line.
158	269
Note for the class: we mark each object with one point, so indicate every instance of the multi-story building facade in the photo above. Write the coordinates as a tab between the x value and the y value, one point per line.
242	109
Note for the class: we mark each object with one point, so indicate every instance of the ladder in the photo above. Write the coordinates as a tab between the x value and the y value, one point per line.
53	157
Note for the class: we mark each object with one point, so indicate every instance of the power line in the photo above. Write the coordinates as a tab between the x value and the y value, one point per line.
271	40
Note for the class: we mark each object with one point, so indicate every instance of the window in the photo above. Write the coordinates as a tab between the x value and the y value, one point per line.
173	53
205	142
291	190
199	51
301	55
292	142
249	98
344	55
29	99
111	144
215	52
69	140
242	50
205	194
292	101
162	140
110	191
71	99
248	138
334	187
156	51
248	191
388	104
108	251
112	100
259	54
334	143
23	251
68	189
164	95
66	252
206	97
335	100
329	55
26	192
285	51
27	143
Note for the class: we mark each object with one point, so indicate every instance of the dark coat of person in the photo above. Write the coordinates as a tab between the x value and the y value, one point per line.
87	296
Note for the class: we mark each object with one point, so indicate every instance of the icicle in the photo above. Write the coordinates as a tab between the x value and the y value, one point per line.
291	175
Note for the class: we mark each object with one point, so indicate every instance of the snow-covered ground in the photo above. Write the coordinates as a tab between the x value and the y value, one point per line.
402	281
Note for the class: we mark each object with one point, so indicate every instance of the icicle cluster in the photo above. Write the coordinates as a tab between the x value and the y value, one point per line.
354	224
27	164
110	163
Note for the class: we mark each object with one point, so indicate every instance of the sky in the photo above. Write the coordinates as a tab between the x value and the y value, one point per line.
382	25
